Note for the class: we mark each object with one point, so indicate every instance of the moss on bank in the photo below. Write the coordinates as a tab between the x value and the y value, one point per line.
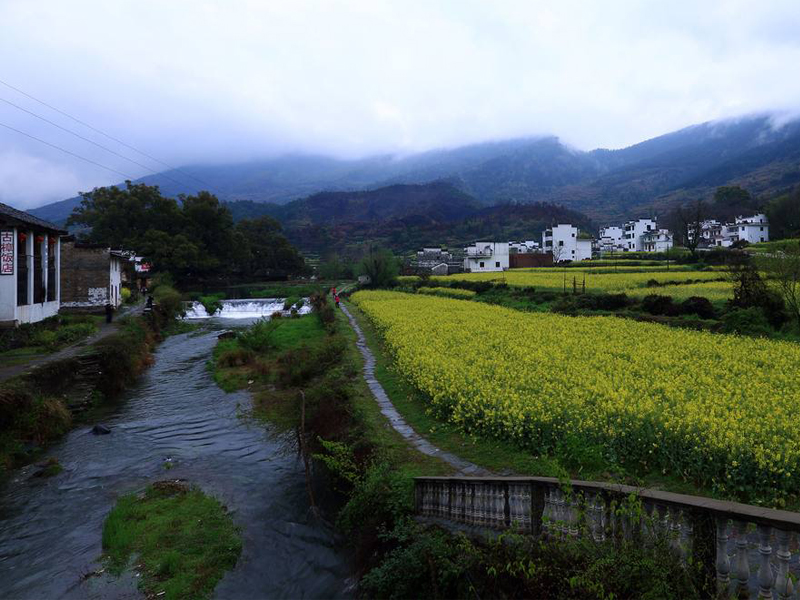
182	540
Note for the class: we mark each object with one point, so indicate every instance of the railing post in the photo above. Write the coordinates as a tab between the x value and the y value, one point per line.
723	563
764	570
742	562
783	584
506	505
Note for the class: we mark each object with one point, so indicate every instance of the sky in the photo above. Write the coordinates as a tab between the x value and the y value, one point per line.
194	81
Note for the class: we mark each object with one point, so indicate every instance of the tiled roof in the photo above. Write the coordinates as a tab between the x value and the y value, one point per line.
14	216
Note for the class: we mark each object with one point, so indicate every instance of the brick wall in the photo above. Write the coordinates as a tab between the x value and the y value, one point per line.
85	276
521	261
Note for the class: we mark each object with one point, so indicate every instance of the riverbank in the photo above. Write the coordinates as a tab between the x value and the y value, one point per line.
39	406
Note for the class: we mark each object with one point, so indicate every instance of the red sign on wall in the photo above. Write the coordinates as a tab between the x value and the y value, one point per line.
6	252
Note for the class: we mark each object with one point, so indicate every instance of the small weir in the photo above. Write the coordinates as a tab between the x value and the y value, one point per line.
174	424
243	309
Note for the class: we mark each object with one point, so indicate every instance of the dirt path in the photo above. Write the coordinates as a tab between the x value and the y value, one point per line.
390	412
75	349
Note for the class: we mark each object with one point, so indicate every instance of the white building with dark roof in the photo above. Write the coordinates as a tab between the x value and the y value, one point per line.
30	263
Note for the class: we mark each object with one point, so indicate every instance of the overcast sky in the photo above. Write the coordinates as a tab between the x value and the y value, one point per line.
227	80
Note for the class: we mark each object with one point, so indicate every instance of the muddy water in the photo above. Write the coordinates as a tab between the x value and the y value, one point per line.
50	530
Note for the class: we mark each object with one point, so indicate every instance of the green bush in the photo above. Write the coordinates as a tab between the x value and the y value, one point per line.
259	338
126	294
747	321
212	303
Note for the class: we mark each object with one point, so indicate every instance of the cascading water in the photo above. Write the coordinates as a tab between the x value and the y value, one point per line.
243	309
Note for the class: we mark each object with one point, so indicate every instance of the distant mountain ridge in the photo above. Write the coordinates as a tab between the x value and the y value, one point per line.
608	185
404	217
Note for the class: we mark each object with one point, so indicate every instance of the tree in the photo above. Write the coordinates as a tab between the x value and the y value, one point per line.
690	220
784	215
194	239
334	268
268	252
783	271
381	266
730	201
121	217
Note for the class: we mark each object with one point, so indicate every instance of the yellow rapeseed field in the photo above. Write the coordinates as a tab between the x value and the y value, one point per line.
596	280
446	292
718	409
713	290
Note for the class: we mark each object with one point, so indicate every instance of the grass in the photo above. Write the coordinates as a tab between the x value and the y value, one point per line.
234	365
574	458
182	540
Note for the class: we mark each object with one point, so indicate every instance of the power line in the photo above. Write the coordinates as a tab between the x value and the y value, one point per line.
77	120
88	160
85	139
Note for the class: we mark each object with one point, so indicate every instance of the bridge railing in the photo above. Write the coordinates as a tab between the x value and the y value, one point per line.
719	535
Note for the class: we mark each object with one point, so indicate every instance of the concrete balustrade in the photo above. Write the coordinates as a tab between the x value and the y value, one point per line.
732	542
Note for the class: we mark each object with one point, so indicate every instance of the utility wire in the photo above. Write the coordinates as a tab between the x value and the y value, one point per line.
88	160
77	120
85	139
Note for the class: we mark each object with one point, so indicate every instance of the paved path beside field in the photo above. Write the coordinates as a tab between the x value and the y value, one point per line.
75	349
390	412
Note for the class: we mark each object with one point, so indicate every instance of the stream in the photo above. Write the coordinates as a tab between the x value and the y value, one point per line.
50	529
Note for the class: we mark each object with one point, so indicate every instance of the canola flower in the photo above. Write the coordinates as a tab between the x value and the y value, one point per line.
718	409
447	292
713	290
597	280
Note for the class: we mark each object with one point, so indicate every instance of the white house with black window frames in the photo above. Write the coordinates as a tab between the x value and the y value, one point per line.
30	250
486	256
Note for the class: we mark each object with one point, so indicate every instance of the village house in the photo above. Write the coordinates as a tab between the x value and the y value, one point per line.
91	276
434	260
610	239
658	240
486	256
639	235
723	235
563	241
29	267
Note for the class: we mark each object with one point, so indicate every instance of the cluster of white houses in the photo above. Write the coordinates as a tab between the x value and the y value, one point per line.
566	243
724	235
43	271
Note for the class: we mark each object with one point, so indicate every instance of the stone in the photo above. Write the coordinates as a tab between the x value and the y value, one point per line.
100	429
226	335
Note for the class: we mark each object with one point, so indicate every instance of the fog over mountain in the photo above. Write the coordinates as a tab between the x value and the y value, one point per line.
228	84
759	152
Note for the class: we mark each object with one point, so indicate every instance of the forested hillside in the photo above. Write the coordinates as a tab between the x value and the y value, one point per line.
608	185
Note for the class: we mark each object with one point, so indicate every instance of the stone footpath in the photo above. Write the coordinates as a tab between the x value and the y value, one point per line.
75	349
390	412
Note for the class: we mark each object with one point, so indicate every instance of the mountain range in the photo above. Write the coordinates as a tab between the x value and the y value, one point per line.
606	185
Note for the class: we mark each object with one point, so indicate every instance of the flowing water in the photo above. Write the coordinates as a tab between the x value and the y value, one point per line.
50	529
243	309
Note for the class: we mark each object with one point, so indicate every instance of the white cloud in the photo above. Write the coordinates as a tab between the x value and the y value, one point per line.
192	80
26	180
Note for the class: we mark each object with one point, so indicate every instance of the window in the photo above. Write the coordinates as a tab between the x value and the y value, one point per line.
481	265
560	242
497	264
762	229
573	235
